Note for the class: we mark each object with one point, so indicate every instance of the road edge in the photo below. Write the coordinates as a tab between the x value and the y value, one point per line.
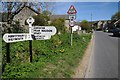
92	51
81	70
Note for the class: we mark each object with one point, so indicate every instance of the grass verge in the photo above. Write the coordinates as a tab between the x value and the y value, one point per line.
53	58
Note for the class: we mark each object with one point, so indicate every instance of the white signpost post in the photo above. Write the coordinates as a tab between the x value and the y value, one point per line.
30	21
35	33
72	16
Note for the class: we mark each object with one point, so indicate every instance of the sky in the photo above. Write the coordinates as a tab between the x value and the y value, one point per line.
99	10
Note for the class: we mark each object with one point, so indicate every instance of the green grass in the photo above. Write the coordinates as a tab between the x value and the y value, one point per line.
0	51
51	58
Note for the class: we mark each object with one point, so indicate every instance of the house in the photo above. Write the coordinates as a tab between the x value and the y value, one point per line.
99	24
66	17
117	23
21	15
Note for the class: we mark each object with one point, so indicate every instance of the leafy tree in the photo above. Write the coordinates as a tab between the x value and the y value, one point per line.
13	8
116	16
59	24
46	13
85	24
41	20
16	28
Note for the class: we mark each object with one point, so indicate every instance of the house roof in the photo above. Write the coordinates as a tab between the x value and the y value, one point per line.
52	17
18	10
4	17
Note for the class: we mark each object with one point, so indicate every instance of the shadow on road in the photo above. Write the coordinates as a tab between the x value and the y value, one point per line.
114	36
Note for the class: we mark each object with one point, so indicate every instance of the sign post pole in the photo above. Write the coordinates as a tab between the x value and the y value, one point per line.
71	24
8	48
30	42
30	21
71	36
72	16
9	23
30	47
8	52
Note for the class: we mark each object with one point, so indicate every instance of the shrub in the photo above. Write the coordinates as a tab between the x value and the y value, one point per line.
59	24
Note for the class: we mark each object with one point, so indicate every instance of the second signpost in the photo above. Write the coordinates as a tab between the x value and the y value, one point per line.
72	16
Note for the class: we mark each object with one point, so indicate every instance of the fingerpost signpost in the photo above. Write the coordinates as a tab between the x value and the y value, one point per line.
30	21
35	33
72	16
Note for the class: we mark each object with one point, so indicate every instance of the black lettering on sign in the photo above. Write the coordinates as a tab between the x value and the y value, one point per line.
39	37
37	30
46	30
39	27
15	37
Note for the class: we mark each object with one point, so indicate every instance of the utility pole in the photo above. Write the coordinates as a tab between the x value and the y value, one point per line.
91	19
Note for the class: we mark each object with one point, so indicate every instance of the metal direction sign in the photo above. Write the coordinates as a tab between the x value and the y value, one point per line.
9	38
72	10
35	33
44	30
71	23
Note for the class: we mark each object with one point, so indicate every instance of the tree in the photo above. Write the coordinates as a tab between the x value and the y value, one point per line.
59	24
116	16
46	6
11	8
84	24
41	20
46	13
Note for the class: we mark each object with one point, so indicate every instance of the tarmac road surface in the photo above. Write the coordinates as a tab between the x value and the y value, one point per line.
103	62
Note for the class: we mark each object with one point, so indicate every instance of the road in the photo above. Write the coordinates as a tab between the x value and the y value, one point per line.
103	62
